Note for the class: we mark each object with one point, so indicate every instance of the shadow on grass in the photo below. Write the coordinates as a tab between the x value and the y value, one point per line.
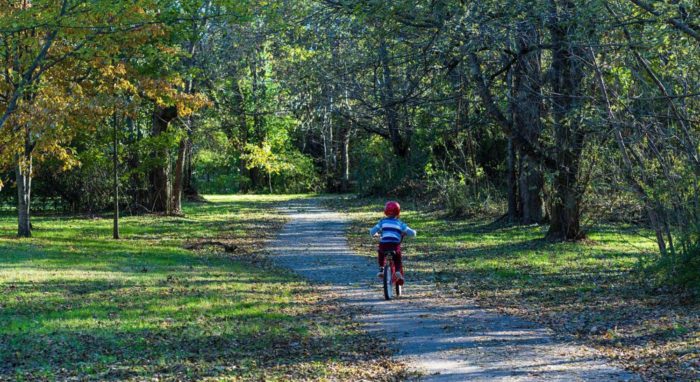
204	343
595	290
576	286
76	305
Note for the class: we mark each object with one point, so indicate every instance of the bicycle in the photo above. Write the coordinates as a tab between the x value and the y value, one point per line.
389	280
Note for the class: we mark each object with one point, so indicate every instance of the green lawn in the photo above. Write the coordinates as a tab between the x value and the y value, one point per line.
593	291
76	304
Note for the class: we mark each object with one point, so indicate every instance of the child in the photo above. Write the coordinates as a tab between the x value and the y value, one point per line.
392	231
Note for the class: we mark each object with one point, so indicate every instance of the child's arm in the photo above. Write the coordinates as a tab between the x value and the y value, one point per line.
411	232
373	231
408	231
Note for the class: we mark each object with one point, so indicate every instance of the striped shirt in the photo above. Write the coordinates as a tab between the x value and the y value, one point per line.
391	230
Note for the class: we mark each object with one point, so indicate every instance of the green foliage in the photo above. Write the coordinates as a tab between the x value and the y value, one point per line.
466	197
263	158
688	273
214	172
271	104
680	267
291	171
87	187
377	170
300	176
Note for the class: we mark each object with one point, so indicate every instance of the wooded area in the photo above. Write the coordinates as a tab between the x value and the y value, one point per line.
553	112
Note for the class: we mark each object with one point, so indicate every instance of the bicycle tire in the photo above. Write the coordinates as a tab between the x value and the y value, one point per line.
388	290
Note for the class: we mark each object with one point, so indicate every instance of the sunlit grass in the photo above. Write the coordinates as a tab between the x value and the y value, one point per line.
595	290
476	245
76	304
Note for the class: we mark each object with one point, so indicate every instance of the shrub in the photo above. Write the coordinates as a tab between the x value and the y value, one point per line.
464	198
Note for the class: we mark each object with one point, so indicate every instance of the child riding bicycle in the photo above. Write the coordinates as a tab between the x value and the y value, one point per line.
391	231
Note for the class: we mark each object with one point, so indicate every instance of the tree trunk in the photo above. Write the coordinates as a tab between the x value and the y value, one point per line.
24	186
24	192
138	193
513	215
331	153
179	176
565	219
468	166
257	94
650	205
527	121
527	109
567	74
189	188
531	183
258	90
240	110
183	170
391	113
160	174
115	164
345	158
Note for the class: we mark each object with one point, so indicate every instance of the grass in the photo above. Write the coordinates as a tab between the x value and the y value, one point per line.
75	304
593	291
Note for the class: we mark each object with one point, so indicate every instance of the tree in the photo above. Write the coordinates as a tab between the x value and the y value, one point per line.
50	82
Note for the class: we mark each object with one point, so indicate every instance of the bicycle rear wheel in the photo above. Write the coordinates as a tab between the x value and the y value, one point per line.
387	283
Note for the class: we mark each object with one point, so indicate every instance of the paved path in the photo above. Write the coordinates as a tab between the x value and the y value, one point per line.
447	339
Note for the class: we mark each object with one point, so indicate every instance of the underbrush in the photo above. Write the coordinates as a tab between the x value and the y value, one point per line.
680	271
460	198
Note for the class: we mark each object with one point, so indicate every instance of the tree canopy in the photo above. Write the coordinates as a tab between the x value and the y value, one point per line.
550	112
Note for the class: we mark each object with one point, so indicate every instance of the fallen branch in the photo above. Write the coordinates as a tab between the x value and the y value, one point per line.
200	244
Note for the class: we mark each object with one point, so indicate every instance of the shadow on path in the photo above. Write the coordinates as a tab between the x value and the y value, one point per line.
446	338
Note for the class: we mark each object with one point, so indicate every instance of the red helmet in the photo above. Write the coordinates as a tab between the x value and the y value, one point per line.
392	208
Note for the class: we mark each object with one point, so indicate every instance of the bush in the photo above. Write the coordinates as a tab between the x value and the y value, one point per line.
377	170
687	268
688	274
679	268
215	172
299	175
87	187
463	198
